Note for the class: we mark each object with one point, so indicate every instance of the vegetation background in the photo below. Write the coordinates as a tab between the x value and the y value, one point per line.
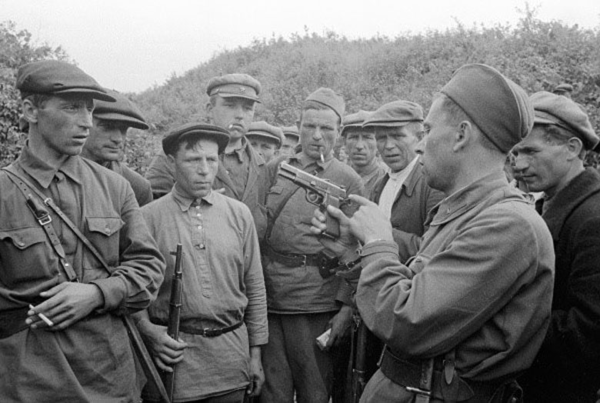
536	54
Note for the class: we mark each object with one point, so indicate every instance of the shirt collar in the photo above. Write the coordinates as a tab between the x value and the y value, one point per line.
307	163
44	173
239	152
185	202
403	174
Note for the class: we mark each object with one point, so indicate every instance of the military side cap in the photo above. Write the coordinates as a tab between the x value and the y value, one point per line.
54	77
395	114
291	131
330	99
171	141
497	105
553	109
354	120
564	87
234	86
265	130
122	110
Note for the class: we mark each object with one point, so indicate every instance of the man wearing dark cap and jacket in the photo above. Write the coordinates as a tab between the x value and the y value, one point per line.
61	337
265	139
223	314
550	160
106	142
303	299
468	313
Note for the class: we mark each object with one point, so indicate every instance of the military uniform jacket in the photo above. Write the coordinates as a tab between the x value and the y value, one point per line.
91	360
255	192
567	368
410	210
480	284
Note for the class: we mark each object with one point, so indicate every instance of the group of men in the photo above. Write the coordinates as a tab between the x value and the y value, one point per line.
465	290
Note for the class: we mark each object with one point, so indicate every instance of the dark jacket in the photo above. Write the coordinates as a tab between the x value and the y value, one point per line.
410	209
567	368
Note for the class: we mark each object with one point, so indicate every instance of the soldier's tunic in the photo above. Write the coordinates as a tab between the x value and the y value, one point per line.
481	285
91	360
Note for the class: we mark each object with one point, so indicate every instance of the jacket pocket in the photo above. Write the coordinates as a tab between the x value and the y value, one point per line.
25	256
103	232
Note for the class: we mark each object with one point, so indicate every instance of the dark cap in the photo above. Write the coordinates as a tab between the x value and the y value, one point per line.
330	99
498	106
171	141
54	77
354	120
291	131
395	114
235	85
265	130
564	87
122	110
553	109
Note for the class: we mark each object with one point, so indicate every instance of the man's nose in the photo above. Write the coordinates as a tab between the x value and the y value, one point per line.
85	118
420	147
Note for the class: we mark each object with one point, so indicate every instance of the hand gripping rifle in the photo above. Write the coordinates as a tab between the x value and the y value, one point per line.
321	193
174	315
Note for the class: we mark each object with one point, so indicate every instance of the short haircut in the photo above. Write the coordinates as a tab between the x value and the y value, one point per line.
317	106
190	141
558	136
38	100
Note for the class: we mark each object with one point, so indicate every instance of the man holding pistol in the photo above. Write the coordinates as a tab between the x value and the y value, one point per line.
80	352
223	316
468	313
304	300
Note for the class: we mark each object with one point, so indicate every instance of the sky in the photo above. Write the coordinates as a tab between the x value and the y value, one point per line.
133	45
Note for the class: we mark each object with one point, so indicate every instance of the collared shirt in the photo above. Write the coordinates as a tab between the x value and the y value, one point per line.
301	289
222	285
481	284
102	205
237	165
372	175
393	186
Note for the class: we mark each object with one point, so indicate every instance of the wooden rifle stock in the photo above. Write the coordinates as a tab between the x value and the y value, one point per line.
359	364
174	315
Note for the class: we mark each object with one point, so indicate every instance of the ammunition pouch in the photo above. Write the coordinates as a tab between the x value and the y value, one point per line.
325	264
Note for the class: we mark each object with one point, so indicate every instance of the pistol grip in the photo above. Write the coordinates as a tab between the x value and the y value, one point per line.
333	226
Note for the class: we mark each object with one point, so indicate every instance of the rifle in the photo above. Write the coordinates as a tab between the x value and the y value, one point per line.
359	340
321	193
175	302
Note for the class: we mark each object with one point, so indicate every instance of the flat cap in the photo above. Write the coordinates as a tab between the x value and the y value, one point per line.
171	141
235	85
291	131
354	120
122	110
263	129
54	77
330	99
564	87
553	109
394	114
497	105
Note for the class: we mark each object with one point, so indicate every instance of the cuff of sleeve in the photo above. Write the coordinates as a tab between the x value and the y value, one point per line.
258	340
373	250
114	291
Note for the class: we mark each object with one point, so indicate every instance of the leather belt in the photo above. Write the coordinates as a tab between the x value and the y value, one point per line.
407	373
297	260
12	322
193	327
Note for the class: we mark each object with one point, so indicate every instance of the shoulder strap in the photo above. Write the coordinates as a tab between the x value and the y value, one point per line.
43	218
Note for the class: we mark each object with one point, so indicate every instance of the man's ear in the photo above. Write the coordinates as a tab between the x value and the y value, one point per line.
30	111
463	135
574	147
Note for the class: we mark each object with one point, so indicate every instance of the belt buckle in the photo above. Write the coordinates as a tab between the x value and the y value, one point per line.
45	220
210	332
304	260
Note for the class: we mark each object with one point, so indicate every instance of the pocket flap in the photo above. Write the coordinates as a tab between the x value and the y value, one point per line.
23	238
104	225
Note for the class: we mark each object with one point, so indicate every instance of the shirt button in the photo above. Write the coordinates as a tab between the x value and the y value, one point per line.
107	230
199	226
202	246
21	243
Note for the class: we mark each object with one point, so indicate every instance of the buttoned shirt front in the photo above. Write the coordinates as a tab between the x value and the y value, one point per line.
222	285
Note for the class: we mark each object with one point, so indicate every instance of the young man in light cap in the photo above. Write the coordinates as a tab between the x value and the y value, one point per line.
291	138
550	160
362	149
265	139
303	299
468	313
223	316
61	337
106	142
